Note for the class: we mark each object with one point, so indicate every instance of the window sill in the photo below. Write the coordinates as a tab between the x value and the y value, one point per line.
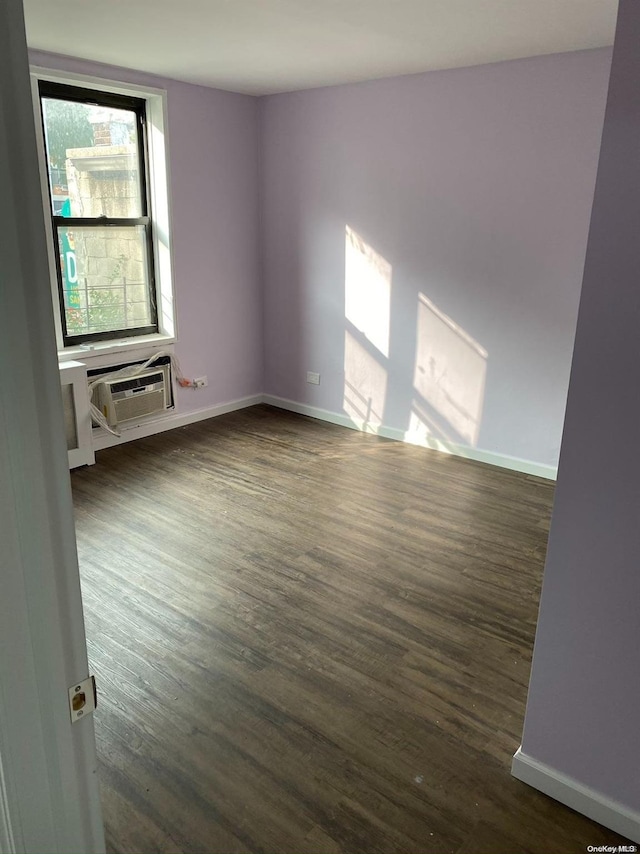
98	349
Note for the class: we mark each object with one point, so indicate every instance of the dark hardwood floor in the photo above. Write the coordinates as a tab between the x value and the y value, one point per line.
308	641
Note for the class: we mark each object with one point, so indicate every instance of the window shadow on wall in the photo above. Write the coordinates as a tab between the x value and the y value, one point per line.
441	375
448	379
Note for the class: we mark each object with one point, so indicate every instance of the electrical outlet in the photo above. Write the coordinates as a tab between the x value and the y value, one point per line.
200	382
313	378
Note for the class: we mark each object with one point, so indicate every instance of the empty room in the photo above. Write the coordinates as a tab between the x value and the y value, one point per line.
318	477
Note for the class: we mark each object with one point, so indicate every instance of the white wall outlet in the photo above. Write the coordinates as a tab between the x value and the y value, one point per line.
200	382
313	378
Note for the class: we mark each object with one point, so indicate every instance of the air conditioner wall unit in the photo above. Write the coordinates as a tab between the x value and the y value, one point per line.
130	398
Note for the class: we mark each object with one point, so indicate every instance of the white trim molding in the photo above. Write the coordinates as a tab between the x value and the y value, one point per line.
573	794
494	459
151	426
7	844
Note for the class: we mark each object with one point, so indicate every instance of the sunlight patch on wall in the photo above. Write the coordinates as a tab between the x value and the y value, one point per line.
365	384
367	289
449	379
425	430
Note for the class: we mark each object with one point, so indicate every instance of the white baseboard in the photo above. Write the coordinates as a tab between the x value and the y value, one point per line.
502	460
150	427
141	430
584	800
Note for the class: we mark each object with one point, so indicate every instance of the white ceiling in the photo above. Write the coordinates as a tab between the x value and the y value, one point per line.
265	46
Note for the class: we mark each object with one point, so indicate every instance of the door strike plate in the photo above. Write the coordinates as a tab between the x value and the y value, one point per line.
83	699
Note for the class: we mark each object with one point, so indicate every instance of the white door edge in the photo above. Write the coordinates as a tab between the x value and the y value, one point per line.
49	795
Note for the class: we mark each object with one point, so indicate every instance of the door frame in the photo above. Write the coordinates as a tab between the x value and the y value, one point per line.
49	793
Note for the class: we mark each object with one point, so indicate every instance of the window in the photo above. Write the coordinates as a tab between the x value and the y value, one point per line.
96	159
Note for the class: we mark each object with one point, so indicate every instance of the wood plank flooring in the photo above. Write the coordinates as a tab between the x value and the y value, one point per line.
310	641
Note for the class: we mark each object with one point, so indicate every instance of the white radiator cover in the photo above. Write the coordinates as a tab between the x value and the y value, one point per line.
77	418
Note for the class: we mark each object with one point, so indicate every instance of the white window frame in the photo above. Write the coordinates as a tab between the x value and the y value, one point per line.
159	188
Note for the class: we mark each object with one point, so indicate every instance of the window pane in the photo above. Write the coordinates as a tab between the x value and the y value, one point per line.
92	157
104	278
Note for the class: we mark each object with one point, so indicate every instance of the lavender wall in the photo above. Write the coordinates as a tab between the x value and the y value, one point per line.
582	714
472	186
213	139
475	186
